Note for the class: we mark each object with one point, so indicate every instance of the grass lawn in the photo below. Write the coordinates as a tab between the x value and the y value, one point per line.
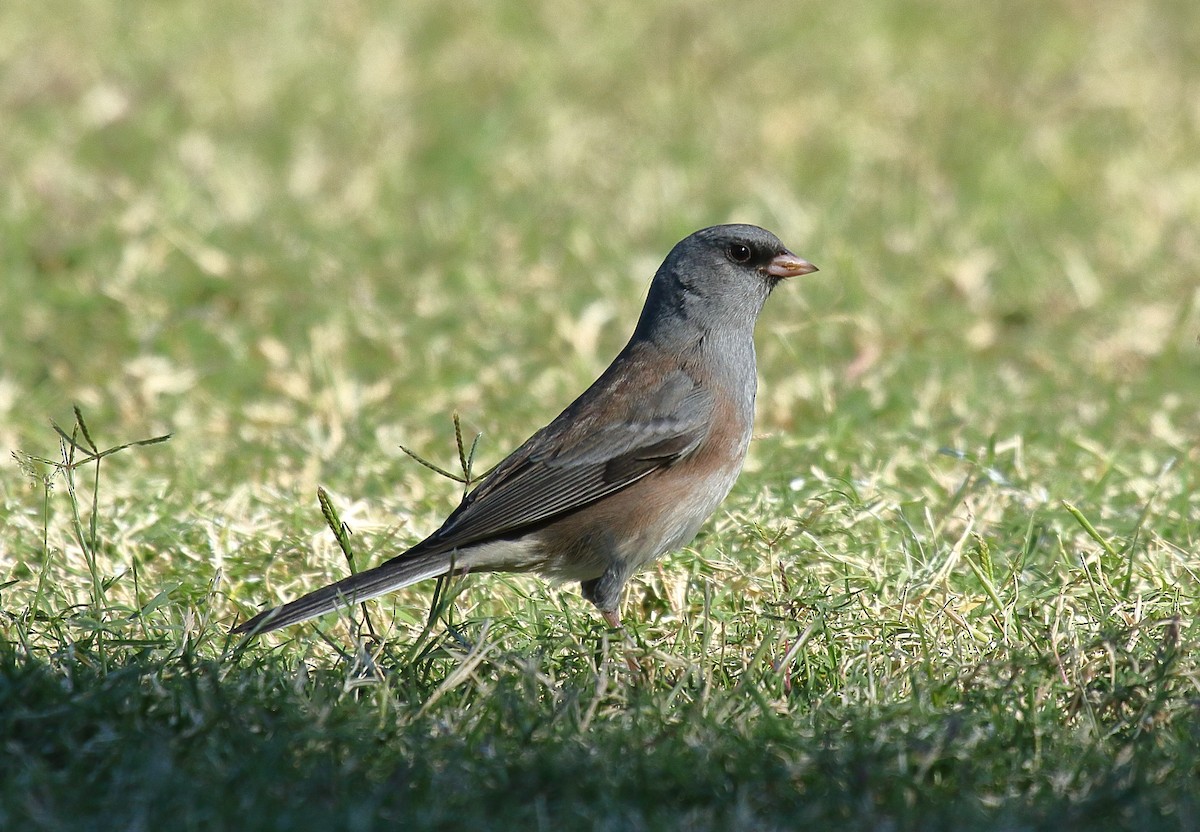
956	586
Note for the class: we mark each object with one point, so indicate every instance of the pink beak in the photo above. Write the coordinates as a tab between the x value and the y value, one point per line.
788	265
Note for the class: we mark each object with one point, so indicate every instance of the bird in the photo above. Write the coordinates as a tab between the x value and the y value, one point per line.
633	467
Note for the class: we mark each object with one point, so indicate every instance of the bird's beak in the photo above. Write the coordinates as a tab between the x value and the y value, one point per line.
788	265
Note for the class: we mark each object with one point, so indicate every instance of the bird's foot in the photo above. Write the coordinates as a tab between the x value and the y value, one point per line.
613	619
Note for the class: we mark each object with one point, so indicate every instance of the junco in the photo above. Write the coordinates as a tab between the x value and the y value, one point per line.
634	466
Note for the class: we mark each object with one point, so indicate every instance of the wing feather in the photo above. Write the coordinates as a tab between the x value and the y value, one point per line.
571	463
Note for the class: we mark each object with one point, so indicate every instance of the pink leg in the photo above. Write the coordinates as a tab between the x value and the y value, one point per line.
613	619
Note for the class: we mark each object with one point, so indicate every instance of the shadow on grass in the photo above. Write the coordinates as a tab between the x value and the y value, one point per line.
268	742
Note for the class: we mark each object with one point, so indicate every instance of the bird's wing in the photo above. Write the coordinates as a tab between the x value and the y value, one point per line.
581	457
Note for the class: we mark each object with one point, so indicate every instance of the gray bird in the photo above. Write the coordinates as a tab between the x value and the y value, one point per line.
634	466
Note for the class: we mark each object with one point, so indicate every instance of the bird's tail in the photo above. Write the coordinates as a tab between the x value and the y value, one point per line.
396	573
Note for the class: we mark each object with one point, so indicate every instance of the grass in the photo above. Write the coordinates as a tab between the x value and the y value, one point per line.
956	586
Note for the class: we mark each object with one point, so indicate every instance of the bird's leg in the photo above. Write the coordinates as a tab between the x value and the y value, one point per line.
605	593
613	619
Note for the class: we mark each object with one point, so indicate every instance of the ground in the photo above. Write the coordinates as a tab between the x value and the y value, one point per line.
955	587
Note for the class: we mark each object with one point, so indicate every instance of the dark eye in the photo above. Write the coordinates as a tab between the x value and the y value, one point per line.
739	253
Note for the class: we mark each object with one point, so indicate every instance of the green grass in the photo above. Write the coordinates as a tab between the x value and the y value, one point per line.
956	586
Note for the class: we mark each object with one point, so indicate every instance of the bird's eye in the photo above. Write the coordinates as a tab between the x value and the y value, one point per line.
739	253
